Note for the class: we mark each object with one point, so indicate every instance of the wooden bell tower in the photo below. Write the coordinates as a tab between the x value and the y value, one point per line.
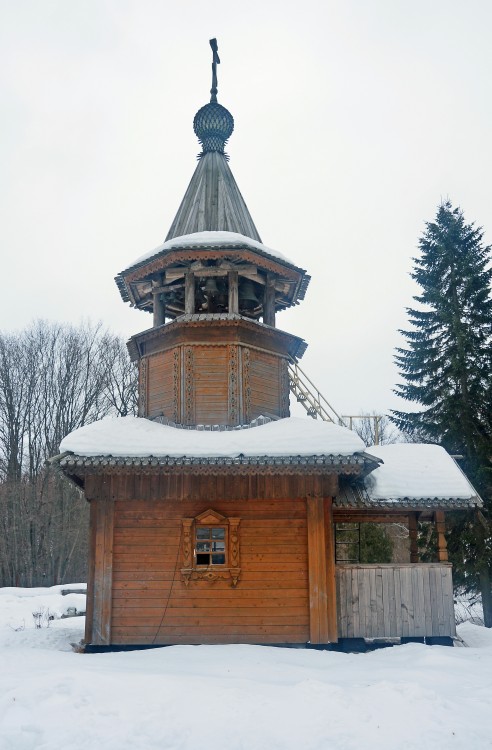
214	355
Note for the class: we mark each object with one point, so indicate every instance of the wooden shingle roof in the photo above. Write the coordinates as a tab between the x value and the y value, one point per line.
213	202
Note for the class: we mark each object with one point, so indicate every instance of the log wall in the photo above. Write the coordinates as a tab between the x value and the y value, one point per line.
151	603
413	600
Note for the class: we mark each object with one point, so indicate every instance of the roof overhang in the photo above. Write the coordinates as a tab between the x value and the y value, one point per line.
135	282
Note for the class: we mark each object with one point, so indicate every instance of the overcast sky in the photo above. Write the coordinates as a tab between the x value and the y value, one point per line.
353	119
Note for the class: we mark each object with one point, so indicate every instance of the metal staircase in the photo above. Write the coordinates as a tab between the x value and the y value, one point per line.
309	396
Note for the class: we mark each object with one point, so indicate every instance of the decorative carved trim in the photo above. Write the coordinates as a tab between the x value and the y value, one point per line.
233	383
209	517
191	572
187	542
282	268
176	388
207	574
142	387
189	385
246	385
234	542
284	385
281	340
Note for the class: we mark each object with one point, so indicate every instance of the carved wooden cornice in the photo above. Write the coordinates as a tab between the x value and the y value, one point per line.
172	333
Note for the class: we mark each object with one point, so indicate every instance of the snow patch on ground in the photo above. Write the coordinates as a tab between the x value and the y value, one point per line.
236	697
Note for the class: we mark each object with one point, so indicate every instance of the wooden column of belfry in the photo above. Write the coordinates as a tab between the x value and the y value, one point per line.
233	292
100	583
158	302
442	547
269	302
322	584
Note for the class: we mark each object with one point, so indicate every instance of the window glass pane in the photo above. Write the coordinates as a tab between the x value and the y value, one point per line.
218	559
202	532
203	559
218	533
218	546
203	547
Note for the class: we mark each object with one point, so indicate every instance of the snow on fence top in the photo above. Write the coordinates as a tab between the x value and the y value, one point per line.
136	436
417	471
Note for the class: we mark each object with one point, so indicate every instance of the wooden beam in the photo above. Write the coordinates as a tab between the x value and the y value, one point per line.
269	301
331	582
442	547
89	614
233	292
189	293
159	306
319	629
345	515
412	532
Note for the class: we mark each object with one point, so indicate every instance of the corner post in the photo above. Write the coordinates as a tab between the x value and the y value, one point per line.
233	292
159	305
412	533
322	587
442	547
189	293
269	301
102	516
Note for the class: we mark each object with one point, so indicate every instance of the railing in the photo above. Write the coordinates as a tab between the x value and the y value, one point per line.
391	601
309	396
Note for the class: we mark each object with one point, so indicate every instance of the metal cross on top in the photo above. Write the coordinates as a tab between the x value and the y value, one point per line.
215	60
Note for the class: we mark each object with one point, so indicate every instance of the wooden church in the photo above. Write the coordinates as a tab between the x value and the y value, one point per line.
215	517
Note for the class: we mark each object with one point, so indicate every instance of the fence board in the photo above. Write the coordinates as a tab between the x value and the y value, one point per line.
409	600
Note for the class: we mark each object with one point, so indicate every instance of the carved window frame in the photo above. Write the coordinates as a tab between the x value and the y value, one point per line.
231	569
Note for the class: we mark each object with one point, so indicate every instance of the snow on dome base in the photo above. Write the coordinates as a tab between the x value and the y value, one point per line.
207	239
137	436
416	471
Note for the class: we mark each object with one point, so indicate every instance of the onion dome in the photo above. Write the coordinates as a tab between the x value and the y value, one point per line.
213	126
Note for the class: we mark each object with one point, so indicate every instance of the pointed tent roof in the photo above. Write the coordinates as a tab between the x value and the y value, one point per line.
213	202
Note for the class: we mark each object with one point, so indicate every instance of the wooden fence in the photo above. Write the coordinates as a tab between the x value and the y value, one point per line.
410	600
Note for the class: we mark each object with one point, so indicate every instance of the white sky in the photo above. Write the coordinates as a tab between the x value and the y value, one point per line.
353	120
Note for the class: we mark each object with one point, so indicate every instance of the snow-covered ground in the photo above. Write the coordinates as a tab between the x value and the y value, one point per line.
233	697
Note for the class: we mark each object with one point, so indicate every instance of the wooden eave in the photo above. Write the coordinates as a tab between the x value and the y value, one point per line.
190	327
77	468
128	281
355	495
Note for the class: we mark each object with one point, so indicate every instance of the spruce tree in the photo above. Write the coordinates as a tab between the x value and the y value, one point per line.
447	371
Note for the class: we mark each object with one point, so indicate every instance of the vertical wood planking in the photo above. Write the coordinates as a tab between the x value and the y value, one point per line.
377	601
103	566
448	600
318	595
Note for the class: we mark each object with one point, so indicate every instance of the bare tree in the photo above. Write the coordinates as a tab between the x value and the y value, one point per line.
375	429
53	379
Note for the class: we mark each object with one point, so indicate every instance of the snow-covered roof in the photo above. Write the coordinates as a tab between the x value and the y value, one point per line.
406	475
140	437
415	473
200	240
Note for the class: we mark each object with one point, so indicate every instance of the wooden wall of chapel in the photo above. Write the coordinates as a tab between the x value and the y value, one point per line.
213	384
147	586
